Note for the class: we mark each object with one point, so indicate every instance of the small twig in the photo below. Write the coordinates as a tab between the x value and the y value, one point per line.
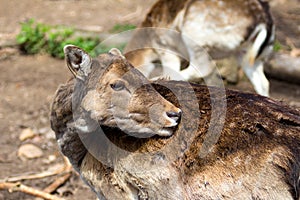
65	169
36	176
58	182
13	187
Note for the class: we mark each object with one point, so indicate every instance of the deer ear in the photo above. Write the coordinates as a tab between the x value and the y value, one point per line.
116	52
78	61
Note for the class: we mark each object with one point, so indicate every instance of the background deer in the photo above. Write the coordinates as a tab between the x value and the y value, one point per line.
222	28
256	155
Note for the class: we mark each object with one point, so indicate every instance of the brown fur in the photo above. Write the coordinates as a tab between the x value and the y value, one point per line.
173	31
164	12
257	155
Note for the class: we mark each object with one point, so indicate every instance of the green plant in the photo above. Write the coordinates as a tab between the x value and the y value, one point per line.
37	37
41	38
122	27
55	40
277	46
31	37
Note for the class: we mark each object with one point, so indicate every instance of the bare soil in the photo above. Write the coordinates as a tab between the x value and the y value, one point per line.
28	83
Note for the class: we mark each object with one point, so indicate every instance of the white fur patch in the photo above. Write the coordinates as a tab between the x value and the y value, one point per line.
207	29
254	49
258	79
165	132
171	65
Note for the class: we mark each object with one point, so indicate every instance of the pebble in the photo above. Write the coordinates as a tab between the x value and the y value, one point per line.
26	134
50	159
29	151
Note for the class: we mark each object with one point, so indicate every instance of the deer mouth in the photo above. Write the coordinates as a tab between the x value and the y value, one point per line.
172	120
166	131
164	126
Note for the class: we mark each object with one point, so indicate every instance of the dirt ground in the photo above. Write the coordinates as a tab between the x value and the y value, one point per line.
27	83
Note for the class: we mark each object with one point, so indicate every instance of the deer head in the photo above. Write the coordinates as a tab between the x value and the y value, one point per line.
113	93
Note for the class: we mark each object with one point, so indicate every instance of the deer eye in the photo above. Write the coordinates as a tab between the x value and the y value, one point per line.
118	85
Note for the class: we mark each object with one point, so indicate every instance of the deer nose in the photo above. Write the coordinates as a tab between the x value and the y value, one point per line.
174	115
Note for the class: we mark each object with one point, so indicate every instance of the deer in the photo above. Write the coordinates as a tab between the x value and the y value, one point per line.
132	138
198	31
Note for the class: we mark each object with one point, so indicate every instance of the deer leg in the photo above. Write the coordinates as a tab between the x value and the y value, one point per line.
258	79
200	62
146	68
253	67
171	65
